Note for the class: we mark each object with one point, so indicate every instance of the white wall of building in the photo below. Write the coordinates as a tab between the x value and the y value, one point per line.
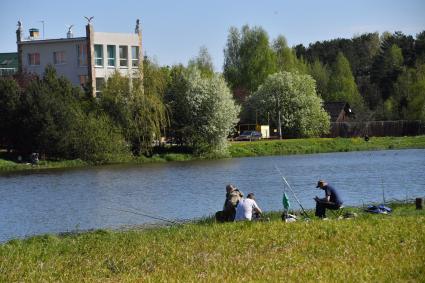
115	39
70	68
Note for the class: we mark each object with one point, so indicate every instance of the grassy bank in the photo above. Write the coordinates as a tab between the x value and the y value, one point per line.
8	165
245	149
384	248
319	145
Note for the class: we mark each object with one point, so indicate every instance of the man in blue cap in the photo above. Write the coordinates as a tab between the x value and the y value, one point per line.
331	200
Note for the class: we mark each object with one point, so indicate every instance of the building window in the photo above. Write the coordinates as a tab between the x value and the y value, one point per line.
34	59
111	55
82	54
100	83
59	57
98	55
135	56
123	56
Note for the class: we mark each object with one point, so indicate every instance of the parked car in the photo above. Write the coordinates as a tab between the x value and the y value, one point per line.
249	136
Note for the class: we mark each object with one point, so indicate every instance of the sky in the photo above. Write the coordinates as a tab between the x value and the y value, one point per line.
174	31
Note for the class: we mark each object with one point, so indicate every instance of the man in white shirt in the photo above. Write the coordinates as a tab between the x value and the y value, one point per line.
246	207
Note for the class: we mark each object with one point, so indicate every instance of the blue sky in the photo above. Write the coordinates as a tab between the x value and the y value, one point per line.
173	31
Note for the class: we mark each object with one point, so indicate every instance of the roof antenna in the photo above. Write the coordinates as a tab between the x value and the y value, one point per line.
42	21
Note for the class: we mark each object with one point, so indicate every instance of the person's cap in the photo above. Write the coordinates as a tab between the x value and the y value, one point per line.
230	188
320	183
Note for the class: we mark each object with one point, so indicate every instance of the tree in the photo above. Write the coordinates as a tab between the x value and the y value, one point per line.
420	47
409	95
9	107
211	111
286	58
293	97
321	75
248	60
175	100
386	69
48	112
342	86
95	138
203	62
137	108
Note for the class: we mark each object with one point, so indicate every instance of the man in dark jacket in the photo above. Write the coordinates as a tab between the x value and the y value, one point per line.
233	195
332	200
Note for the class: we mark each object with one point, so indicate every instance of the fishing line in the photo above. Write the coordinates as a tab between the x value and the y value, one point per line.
140	212
143	214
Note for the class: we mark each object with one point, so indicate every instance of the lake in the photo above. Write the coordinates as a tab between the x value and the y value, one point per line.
54	201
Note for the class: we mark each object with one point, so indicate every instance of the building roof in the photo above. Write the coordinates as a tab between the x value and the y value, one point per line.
334	109
9	60
55	40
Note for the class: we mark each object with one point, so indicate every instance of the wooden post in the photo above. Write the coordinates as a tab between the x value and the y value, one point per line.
419	203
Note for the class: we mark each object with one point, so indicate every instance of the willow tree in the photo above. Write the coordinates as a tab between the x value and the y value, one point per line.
137	107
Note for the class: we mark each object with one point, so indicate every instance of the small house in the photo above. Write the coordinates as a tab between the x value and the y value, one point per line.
339	111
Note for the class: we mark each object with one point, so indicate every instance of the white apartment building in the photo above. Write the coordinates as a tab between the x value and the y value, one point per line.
85	61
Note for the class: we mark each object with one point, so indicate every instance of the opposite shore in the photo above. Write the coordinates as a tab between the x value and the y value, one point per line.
239	149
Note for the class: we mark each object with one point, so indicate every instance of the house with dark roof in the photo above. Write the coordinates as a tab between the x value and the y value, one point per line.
8	64
339	111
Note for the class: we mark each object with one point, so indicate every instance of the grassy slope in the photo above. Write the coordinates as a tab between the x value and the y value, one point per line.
384	248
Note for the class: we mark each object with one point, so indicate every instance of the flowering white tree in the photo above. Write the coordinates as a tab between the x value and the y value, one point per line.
293	97
212	112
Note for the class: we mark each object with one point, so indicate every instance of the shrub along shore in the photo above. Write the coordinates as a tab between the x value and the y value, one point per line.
385	248
241	149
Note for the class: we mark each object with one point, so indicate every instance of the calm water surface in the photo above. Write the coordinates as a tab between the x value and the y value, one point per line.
60	201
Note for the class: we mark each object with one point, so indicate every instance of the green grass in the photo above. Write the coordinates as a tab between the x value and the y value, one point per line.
7	165
383	248
319	145
244	149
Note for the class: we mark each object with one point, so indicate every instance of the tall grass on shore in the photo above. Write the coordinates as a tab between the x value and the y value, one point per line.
384	248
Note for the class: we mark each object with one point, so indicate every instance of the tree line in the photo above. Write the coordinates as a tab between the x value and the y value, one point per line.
381	76
50	116
263	81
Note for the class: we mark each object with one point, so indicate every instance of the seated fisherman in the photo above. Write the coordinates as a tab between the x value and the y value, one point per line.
331	200
246	207
233	196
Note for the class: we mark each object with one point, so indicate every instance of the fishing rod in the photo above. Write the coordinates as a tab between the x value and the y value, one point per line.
139	212
293	193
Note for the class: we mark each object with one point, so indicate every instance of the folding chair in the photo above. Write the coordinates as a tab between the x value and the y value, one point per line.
338	212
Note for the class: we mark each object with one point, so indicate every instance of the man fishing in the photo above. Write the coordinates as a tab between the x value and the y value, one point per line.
247	208
331	200
233	196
